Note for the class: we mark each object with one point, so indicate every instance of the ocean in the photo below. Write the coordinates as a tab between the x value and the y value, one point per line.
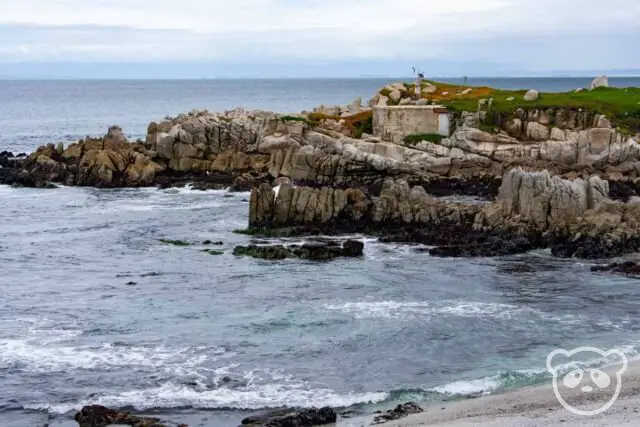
95	309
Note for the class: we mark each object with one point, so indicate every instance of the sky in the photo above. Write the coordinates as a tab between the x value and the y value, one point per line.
317	38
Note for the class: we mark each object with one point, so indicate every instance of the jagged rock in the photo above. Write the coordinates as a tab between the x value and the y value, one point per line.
602	81
99	416
293	418
539	202
400	411
531	95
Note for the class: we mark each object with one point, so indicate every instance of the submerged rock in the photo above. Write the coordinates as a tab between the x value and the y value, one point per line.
490	248
99	416
630	268
400	411
293	418
315	250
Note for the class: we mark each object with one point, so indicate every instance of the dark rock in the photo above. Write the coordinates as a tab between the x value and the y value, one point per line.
313	250
213	252
481	186
594	248
491	248
352	248
99	416
209	242
629	268
293	418
131	284
270	252
400	411
175	242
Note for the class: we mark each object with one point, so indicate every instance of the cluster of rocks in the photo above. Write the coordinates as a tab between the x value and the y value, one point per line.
533	209
318	250
400	411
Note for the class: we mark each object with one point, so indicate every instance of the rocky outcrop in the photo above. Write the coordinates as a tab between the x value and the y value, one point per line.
533	210
293	417
313	250
575	217
397	204
537	202
246	148
99	416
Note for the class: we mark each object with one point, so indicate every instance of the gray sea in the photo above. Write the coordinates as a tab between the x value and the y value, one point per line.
94	308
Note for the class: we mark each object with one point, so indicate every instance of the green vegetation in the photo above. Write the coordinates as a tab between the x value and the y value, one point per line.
365	125
213	252
621	106
175	242
309	122
385	92
416	138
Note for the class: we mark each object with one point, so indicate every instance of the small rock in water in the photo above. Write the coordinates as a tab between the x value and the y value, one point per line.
131	284
209	242
400	411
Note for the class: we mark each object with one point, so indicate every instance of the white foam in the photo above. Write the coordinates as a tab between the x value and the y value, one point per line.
43	357
171	395
400	310
472	387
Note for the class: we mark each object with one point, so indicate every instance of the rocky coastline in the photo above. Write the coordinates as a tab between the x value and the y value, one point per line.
554	176
513	174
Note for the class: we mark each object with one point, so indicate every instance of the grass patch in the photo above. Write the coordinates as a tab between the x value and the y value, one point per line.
620	105
175	242
213	252
418	137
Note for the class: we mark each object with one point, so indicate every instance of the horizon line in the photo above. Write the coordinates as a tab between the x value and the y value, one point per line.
53	78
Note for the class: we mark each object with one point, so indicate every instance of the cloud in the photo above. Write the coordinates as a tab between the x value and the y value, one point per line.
546	34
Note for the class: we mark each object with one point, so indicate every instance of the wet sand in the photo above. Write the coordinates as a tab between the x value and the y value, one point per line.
538	406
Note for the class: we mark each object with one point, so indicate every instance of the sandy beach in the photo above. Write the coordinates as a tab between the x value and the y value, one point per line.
538	406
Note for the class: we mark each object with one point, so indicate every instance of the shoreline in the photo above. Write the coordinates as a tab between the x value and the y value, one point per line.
537	406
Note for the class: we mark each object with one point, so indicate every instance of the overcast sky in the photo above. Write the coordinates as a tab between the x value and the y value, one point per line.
215	38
